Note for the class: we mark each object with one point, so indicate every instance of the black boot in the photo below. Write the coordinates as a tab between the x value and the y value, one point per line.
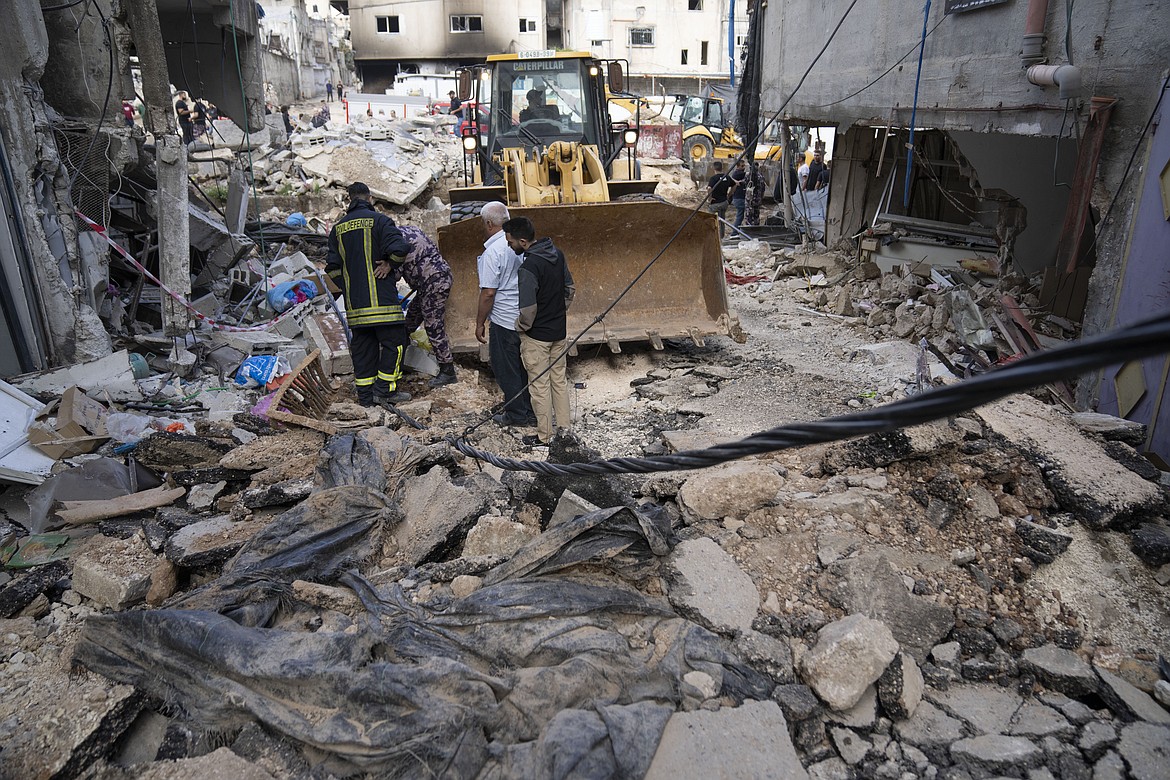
396	397
446	376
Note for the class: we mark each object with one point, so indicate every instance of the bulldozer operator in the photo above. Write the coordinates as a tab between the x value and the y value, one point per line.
538	109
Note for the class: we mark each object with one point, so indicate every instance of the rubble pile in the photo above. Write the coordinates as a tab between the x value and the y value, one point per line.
204	573
969	320
400	159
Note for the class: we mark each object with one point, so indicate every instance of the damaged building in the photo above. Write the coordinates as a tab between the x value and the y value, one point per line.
1035	143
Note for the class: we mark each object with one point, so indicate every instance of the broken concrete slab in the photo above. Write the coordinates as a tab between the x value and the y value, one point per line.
1036	721
1111	428
109	370
863	715
1102	492
729	491
61	738
1049	541
900	687
850	655
165	451
986	709
202	496
869	585
497	536
438	516
269	451
707	586
1146	750
882	449
22	590
746	741
770	655
1128	702
571	505
996	753
221	763
1060	670
209	542
115	573
278	494
930	729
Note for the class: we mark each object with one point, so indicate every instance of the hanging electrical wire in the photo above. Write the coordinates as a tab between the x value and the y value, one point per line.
1151	337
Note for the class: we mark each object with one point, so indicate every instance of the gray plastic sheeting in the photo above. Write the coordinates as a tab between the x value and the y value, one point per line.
544	672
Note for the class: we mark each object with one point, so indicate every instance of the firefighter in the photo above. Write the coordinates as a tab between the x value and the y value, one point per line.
366	251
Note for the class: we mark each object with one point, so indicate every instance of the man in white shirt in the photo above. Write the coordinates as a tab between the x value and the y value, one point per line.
499	301
802	174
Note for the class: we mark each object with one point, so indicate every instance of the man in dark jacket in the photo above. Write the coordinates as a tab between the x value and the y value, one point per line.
546	290
366	252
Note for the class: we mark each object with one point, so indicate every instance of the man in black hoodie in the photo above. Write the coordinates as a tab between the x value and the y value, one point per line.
366	251
546	290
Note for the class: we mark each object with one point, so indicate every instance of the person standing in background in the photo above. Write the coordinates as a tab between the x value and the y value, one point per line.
499	301
546	291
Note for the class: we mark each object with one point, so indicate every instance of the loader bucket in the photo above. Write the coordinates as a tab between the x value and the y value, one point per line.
683	295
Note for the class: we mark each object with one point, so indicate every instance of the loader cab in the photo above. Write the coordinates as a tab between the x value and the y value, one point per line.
538	101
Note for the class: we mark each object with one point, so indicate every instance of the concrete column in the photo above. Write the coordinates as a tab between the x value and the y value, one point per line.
786	164
171	170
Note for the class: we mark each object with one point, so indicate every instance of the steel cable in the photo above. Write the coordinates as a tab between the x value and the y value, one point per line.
1147	338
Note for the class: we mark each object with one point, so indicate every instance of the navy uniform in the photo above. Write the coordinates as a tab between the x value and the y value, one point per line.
378	334
429	276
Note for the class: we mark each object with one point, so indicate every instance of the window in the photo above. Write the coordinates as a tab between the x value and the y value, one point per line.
388	24
314	8
683	61
641	36
527	25
461	24
694	5
702	52
596	43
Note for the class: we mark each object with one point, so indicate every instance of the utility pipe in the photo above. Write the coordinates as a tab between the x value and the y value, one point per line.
1067	77
1033	48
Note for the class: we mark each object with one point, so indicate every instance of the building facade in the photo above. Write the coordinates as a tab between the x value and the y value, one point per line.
304	44
1034	119
679	46
437	36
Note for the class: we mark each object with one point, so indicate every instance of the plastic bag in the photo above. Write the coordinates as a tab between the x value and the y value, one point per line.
259	370
127	427
94	479
285	295
296	219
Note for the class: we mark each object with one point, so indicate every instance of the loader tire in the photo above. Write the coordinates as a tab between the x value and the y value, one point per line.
697	149
468	209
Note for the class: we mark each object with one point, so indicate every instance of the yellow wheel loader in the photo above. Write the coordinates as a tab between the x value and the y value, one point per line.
551	154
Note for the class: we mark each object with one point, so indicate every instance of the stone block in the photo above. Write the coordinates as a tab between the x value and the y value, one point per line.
115	573
707	586
850	655
497	536
746	741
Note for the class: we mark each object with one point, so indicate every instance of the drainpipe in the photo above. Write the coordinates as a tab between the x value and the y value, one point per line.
1033	50
1067	77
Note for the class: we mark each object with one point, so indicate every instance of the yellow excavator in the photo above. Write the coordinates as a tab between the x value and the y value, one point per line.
551	154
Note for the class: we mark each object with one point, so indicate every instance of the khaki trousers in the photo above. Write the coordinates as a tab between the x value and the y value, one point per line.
550	393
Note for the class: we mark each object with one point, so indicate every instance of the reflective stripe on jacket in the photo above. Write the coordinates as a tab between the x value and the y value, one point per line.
356	242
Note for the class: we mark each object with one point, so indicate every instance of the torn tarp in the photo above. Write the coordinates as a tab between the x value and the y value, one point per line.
546	676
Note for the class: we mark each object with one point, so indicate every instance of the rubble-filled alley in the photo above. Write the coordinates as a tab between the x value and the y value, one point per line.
234	545
981	596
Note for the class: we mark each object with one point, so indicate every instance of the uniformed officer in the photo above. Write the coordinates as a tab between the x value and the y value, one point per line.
366	251
429	276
